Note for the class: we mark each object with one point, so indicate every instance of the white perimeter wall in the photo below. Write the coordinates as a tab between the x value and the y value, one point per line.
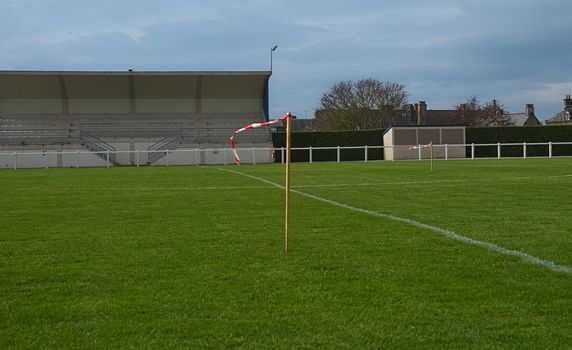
127	154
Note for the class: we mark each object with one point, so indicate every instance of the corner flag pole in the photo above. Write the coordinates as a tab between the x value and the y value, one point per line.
287	185
431	146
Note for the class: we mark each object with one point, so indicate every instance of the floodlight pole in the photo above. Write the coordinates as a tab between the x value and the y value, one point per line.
287	182
272	49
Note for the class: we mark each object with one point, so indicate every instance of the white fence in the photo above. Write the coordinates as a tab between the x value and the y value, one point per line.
254	155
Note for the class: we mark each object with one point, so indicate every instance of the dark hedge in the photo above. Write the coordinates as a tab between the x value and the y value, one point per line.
331	139
477	135
520	134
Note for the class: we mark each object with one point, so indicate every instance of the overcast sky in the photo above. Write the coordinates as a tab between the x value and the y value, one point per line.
443	51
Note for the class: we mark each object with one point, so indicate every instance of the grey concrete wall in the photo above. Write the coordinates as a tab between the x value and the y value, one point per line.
402	138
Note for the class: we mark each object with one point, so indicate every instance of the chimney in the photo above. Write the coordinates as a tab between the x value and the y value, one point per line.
409	112
529	110
567	103
421	112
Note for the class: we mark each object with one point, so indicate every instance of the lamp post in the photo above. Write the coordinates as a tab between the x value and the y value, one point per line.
272	49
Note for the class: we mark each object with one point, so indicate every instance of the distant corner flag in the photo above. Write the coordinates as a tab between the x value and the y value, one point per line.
419	147
429	145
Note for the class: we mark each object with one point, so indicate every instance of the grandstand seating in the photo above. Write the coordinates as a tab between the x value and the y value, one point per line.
105	112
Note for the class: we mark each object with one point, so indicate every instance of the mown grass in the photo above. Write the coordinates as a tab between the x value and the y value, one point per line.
192	257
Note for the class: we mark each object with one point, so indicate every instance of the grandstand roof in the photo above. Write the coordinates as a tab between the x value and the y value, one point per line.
86	84
130	91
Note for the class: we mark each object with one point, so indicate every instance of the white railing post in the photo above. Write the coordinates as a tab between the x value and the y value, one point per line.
311	156
446	152
77	159
253	155
472	151
549	149
107	156
498	151
15	161
338	155
197	156
524	150
137	157
419	151
282	155
365	153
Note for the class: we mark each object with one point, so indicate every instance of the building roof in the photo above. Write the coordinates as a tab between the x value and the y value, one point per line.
560	118
69	92
521	119
89	84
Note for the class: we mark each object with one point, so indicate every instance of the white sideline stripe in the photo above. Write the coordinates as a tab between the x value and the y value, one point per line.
364	184
138	189
414	182
450	234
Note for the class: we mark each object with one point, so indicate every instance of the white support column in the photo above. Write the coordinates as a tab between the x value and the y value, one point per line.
338	151
365	154
282	155
15	160
498	151
472	151
137	157
549	149
446	152
419	151
311	156
197	156
524	150
107	157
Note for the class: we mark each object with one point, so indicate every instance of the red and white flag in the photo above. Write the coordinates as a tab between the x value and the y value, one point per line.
429	145
253	126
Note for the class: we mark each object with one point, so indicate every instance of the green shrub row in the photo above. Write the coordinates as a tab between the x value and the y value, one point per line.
519	134
331	139
476	135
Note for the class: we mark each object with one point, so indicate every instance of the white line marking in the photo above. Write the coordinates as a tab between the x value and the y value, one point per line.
202	188
415	182
139	189
450	234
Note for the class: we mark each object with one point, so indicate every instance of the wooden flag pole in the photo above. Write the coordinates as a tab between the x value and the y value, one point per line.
431	156
287	186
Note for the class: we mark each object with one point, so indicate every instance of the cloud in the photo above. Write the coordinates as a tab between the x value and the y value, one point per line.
443	51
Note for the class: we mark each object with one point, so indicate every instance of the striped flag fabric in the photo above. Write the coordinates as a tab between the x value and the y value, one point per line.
429	145
253	126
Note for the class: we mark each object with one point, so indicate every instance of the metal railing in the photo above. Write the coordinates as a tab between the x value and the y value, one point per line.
98	147
162	155
161	147
59	136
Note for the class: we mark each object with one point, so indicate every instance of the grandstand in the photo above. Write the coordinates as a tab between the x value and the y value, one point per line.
116	114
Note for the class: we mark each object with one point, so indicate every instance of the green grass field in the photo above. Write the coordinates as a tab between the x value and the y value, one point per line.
192	257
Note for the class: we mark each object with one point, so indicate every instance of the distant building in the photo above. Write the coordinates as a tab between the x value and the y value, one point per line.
420	115
303	125
298	125
563	118
527	118
417	114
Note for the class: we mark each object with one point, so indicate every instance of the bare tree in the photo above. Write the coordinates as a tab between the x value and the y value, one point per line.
365	104
473	112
